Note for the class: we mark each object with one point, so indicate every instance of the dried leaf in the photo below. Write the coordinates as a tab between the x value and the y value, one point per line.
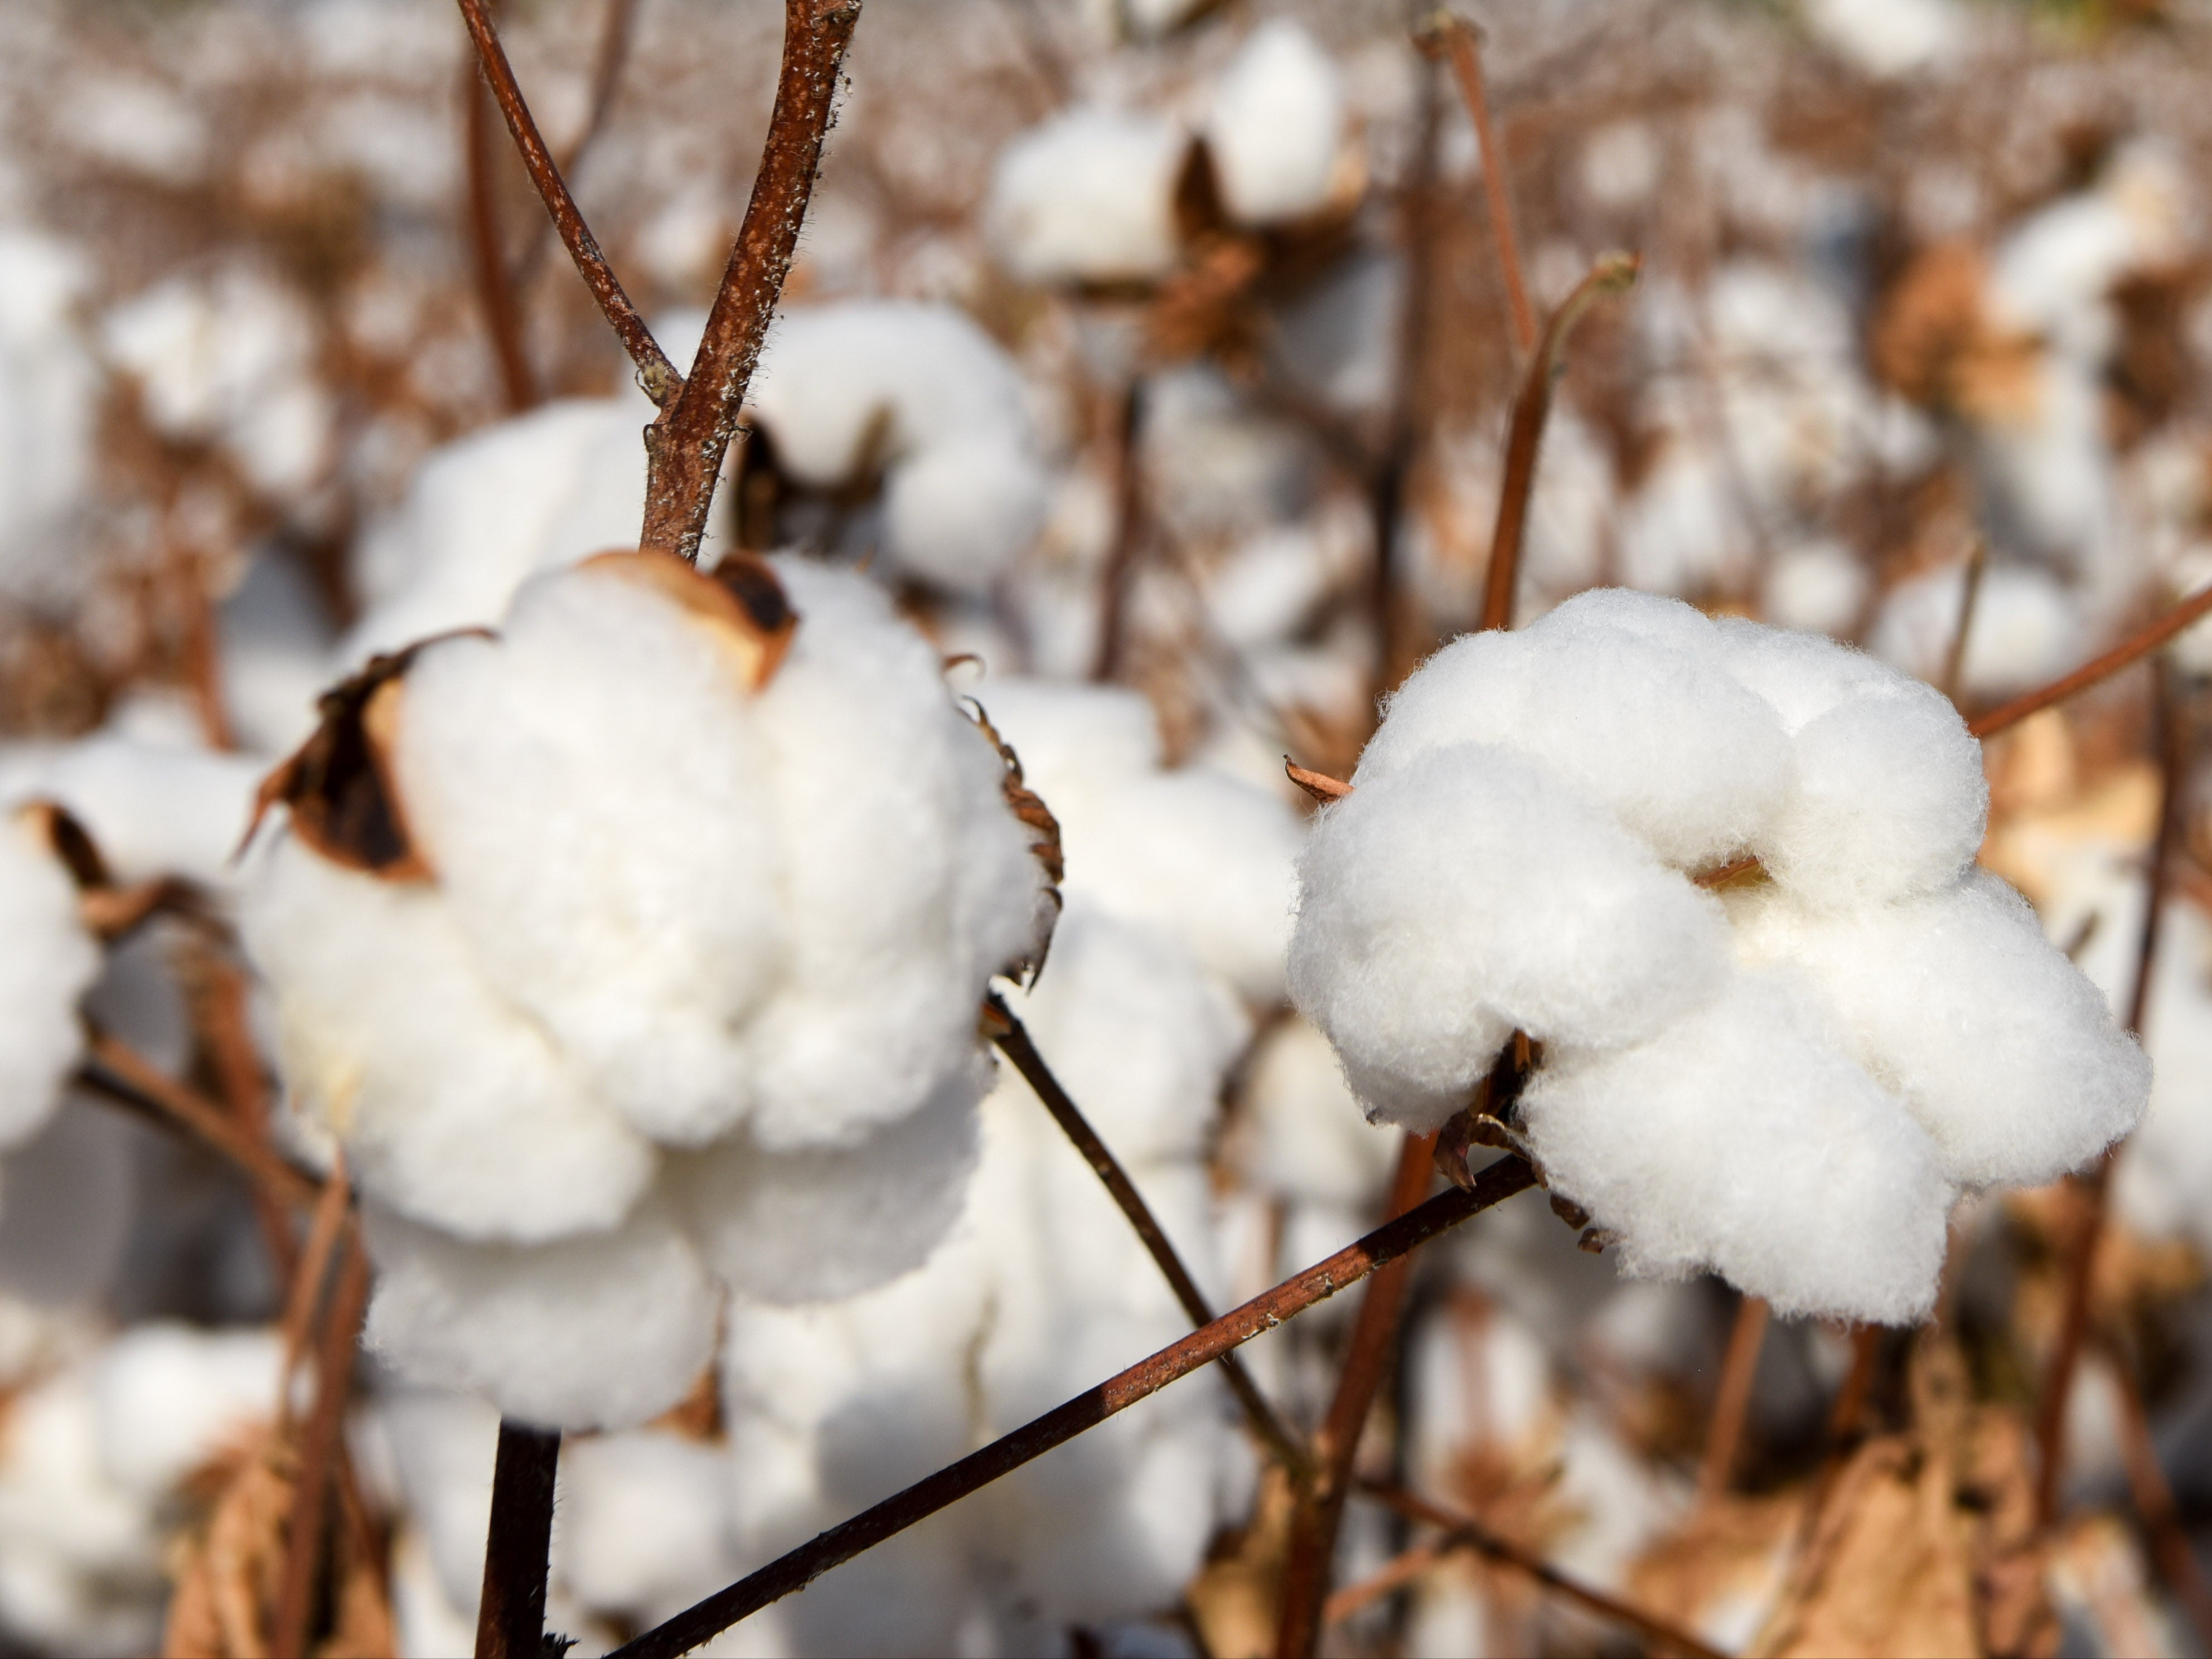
1028	807
69	840
344	801
229	1572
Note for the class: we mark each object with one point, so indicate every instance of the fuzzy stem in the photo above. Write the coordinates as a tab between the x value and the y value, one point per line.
800	1567
511	1618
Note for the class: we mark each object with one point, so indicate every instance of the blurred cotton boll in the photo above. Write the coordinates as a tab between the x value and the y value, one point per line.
2027	628
48	388
1088	196
49	961
1276	125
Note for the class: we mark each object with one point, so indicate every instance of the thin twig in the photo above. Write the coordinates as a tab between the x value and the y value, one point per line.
122	1074
2136	646
1954	659
2154	1500
1732	1404
227	1031
800	1567
319	1450
1119	577
2090	1189
1611	275
1013	1041
1462	42
1319	1511
1464	1532
511	1618
685	448
615	31
655	372
323	1229
496	290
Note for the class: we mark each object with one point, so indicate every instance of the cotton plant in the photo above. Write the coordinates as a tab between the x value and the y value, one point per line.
633	950
1721	878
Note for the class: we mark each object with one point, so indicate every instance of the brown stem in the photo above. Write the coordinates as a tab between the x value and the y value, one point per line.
685	448
614	33
2154	1500
1611	275
487	252
801	1566
227	1031
122	1074
318	1453
1732	1404
2090	1189
1013	1041
324	1230
1464	1532
1954	659
655	374
511	1618
2136	645
1320	1510
1462	43
1120	574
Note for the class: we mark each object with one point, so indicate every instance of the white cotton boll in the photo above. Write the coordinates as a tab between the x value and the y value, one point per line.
603	1330
1449	903
49	392
169	1398
644	1518
426	1622
2005	1053
153	808
1619	694
1679	531
49	961
455	1108
1741	1139
443	1449
1267	588
2026	628
1820	586
488	510
1800	675
1889	38
960	512
1888	798
1276	124
1307	1137
818	1225
1088	196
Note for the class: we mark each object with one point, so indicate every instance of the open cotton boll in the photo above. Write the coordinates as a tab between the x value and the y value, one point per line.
600	1330
961	511
2026	628
1306	1138
1275	125
2001	1048
49	392
644	1524
1887	798
1633	718
825	1223
169	1397
153	808
443	1450
1890	38
455	1108
48	962
1088	196
1741	1139
1474	892
1821	585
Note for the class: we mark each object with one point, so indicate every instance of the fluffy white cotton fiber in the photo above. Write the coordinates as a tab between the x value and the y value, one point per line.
1276	124
49	961
679	975
1088	196
1787	1083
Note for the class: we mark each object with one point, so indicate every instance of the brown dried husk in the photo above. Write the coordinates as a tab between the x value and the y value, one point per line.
1028	807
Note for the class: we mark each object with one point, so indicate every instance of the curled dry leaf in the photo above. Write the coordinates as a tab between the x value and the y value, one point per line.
740	598
229	1572
1028	807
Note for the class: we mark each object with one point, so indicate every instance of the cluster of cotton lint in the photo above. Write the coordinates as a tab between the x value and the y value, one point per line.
1786	1072
638	945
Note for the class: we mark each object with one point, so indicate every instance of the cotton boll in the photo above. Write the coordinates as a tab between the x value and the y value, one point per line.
153	808
169	1398
960	512
1276	124
819	1225
643	1523
1890	38
1888	799
1680	531
49	389
1800	675
2026	628
1452	902
2005	1052
1307	1138
455	1108
1687	759
1741	1139
49	963
1088	196
602	1330
1820	586
443	1448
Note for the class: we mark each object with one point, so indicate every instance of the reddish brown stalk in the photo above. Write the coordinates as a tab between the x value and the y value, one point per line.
1464	1532
614	33
319	1450
511	1617
120	1071
1013	1041
2135	646
496	289
1320	1510
655	374
1732	1404
2154	1500
1611	275
2090	1190
1461	43
306	1291
227	1033
800	1567
1954	659
685	448
1120	574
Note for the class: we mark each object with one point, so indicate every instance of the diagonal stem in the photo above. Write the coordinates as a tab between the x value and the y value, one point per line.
496	290
511	1618
121	1073
2132	649
320	1448
1462	44
1013	1041
800	1567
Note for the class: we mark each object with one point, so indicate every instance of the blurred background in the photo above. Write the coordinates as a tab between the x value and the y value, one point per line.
1170	347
